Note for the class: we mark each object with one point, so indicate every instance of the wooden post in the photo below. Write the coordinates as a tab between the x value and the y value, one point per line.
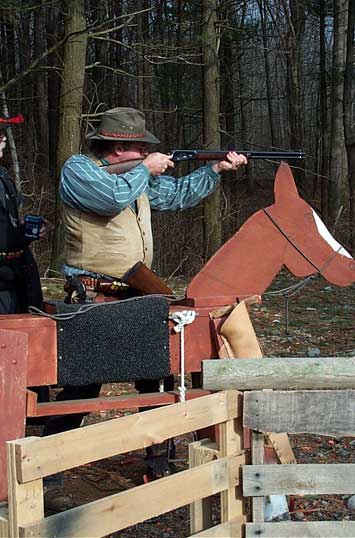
25	500
201	452
231	444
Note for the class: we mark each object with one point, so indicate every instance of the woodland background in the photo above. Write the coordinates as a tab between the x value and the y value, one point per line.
270	74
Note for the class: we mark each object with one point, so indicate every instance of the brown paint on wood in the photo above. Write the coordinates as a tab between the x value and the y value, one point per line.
125	401
13	369
42	346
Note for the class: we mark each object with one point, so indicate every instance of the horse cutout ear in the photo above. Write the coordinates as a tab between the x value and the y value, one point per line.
284	186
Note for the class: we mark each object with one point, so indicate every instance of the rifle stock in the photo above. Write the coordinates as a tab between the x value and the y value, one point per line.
143	279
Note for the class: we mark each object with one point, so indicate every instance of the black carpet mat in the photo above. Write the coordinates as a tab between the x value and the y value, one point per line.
114	342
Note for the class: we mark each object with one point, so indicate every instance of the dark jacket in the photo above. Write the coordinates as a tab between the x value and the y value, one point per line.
19	274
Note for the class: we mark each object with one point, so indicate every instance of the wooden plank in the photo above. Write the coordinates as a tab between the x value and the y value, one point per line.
279	373
13	371
201	452
116	512
229	529
311	529
300	479
4	520
125	401
55	453
231	443
299	412
257	458
25	500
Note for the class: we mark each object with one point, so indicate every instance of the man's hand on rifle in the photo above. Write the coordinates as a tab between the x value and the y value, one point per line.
158	163
235	160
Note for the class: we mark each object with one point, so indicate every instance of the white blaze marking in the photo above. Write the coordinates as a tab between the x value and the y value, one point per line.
327	236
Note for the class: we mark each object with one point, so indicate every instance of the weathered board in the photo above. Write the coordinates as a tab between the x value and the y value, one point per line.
279	373
309	529
299	479
321	412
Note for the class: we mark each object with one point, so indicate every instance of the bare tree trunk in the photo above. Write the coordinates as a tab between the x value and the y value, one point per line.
324	124
41	96
295	77
349	120
212	225
71	97
11	140
337	163
140	59
263	17
52	24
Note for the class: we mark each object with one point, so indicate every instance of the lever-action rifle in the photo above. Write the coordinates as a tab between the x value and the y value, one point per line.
181	155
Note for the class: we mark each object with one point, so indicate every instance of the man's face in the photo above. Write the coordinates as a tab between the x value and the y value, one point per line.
2	143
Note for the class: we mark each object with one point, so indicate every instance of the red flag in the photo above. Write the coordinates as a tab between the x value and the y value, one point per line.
12	121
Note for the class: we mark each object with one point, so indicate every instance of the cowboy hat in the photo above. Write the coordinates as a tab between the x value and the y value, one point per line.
123	123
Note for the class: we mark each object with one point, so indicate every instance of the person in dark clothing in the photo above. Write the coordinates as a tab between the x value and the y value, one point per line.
20	284
19	279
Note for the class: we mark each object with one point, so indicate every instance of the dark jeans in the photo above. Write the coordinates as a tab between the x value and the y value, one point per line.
63	423
152	385
8	302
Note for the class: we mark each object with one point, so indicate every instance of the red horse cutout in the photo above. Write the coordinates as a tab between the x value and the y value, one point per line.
288	233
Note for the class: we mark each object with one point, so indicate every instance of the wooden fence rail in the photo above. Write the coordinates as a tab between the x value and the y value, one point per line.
279	373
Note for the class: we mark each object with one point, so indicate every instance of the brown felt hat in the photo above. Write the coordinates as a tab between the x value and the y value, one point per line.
123	123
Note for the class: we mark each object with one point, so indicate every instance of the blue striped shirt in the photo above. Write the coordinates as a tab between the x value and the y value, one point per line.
87	187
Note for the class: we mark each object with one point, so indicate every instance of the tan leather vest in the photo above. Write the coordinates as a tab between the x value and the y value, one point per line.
108	245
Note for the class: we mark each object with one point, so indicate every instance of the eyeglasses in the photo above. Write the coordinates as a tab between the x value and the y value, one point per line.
140	147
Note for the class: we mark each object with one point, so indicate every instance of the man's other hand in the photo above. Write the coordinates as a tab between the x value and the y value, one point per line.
233	162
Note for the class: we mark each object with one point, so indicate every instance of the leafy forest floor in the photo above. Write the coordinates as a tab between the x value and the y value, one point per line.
321	323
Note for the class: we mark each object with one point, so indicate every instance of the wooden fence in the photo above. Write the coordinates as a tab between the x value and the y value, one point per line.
31	459
212	471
